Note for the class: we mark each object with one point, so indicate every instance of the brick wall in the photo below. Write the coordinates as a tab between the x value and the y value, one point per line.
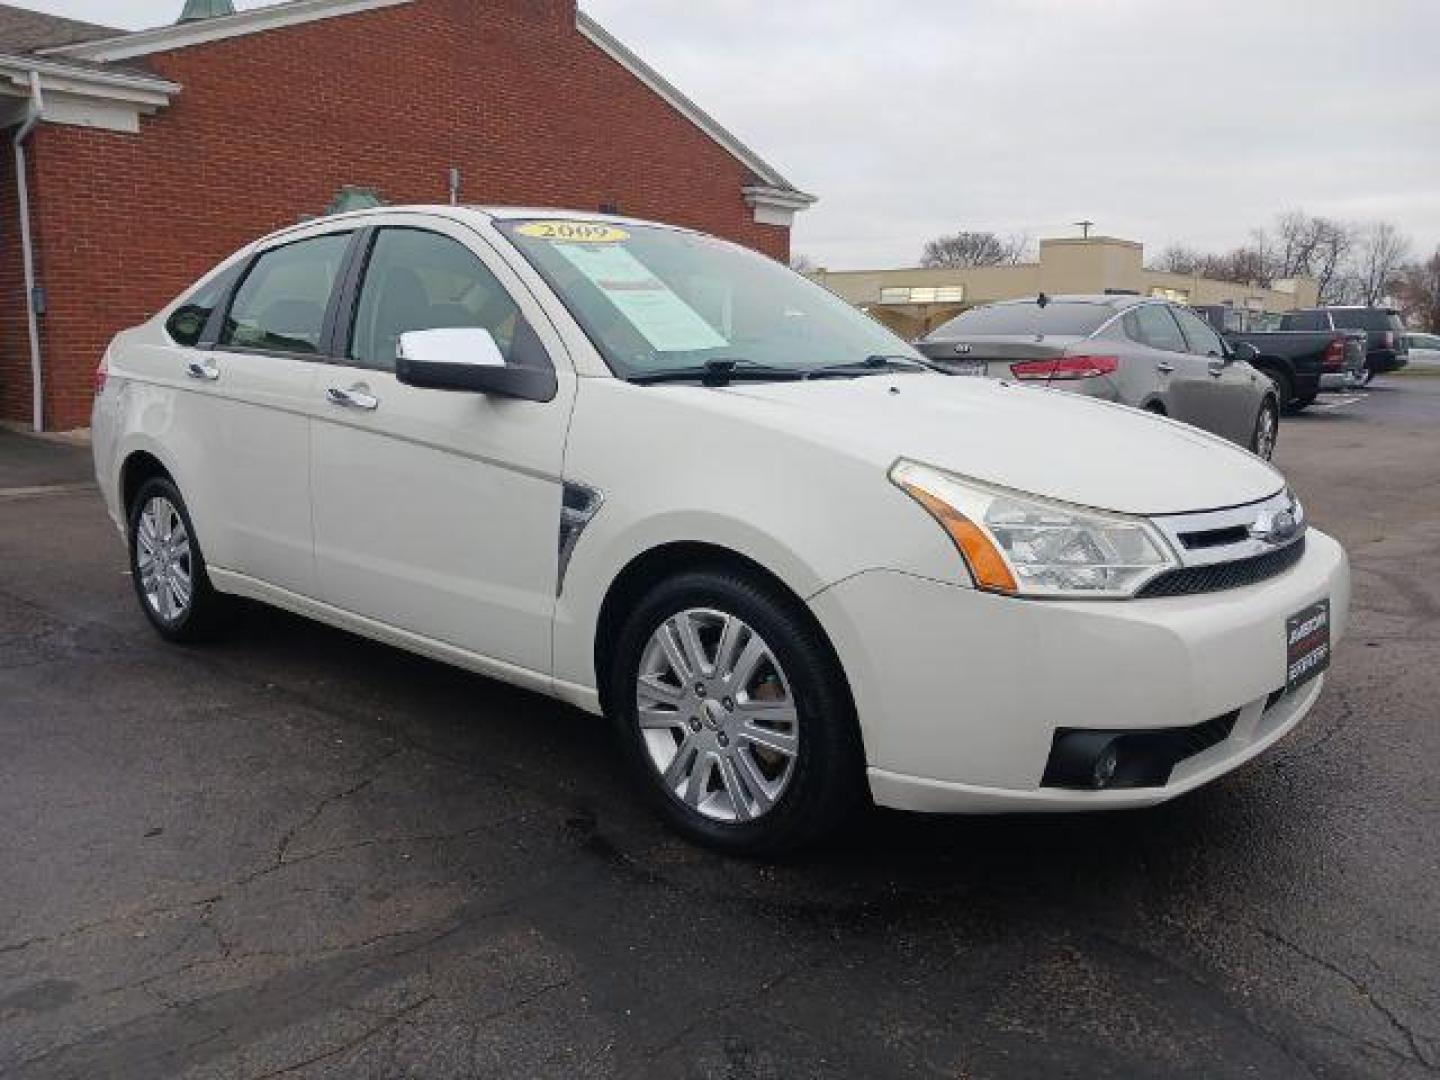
268	127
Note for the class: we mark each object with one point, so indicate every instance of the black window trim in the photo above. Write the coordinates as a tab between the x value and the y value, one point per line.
324	353
356	271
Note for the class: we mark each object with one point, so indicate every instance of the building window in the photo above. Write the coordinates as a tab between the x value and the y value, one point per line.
1175	296
939	294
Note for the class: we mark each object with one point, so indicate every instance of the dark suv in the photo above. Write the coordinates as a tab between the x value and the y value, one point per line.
1386	348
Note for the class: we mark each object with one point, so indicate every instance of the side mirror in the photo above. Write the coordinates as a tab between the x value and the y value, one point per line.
1243	350
467	359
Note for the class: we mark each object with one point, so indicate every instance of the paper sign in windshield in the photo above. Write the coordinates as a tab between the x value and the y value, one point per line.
666	321
574	232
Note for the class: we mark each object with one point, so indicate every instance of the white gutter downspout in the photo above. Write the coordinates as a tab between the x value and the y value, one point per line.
32	117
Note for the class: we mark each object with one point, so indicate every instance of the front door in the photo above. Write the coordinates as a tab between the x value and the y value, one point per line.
1226	398
438	512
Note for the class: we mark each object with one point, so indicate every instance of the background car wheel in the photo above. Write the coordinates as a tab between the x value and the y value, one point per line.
167	566
1267	430
1284	388
734	715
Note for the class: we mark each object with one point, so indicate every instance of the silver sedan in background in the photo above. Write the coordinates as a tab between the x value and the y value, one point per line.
1137	351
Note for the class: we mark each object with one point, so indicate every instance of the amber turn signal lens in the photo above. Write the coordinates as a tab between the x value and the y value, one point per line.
986	564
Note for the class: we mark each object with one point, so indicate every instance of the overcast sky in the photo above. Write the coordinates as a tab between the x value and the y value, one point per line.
1161	122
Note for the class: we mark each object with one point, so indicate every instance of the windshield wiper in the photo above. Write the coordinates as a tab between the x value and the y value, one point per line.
870	365
718	372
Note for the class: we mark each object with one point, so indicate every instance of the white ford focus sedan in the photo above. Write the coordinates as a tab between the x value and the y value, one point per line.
668	480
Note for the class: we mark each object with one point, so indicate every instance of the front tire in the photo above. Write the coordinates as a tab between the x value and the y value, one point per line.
168	568
734	715
1266	431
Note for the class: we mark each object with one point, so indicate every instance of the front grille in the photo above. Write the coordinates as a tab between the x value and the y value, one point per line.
1229	575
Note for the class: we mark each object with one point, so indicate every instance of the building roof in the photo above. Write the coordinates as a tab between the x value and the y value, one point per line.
770	189
23	30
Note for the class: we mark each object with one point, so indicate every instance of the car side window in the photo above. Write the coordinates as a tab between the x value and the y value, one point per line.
1154	327
1306	320
187	322
1202	340
280	306
420	280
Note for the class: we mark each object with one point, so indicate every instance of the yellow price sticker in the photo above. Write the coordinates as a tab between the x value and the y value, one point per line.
574	232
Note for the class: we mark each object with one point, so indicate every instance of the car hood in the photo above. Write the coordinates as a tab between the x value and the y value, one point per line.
1042	441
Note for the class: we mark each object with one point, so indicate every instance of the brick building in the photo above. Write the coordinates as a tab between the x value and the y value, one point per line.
148	156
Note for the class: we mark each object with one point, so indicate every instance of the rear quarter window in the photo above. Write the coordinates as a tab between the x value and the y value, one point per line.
187	322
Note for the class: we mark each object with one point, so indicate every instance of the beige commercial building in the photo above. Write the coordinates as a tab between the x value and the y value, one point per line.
913	302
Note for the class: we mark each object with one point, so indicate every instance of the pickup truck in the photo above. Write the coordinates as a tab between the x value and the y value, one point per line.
1385	344
1300	363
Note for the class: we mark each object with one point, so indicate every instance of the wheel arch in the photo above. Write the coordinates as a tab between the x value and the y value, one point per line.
136	468
630	584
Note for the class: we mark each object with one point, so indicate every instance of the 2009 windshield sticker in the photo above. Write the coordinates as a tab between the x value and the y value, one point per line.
574	232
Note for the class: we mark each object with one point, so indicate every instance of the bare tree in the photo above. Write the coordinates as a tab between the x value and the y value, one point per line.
973	249
1418	290
1179	259
803	264
1381	254
1313	247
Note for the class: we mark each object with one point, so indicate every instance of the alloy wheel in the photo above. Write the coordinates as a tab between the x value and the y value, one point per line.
1265	430
716	715
163	559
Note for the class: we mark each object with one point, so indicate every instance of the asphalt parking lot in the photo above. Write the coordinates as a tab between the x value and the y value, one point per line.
299	853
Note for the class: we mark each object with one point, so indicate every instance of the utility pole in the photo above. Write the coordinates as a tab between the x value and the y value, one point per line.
1085	229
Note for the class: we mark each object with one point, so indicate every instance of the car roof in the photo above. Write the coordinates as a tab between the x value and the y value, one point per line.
1115	301
461	212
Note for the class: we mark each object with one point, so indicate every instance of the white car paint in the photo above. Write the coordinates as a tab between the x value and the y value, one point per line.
431	523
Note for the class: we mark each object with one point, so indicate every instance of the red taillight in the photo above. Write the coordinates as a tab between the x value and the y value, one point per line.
101	374
1334	359
1066	367
1387	340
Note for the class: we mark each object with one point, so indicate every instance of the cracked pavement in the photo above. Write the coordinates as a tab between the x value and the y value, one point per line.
297	853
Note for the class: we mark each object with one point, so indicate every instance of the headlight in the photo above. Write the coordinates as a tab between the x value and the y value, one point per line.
1027	546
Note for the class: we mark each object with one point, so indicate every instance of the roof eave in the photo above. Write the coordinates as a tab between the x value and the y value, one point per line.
769	177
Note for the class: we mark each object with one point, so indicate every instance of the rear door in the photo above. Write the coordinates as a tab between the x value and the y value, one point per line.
251	375
438	512
1182	381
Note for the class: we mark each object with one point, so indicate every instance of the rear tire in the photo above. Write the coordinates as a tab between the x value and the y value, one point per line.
1284	387
167	567
734	716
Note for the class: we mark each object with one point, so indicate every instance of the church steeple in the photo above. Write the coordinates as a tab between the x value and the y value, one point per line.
196	10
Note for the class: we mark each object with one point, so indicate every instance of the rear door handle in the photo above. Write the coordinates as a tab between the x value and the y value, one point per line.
1217	368
354	398
207	371
1163	368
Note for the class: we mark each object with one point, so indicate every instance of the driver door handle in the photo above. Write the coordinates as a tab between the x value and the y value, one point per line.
207	371
1217	368
354	398
1163	368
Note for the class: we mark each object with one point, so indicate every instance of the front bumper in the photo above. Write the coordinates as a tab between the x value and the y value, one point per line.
960	692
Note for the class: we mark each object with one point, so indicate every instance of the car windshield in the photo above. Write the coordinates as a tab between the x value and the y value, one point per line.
1031	318
656	300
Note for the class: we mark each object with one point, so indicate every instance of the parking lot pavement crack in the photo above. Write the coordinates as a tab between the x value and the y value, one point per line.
371	772
97	924
1418	1051
352	1044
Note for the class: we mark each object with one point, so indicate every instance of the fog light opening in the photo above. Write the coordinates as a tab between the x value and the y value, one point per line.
1106	763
